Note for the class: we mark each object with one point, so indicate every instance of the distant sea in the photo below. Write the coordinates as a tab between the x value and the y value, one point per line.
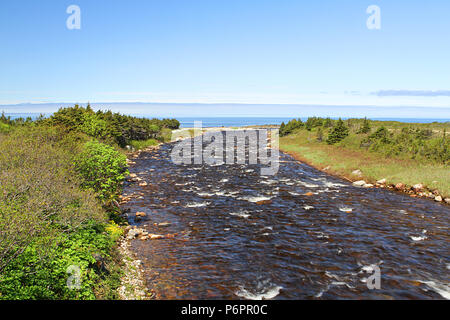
188	122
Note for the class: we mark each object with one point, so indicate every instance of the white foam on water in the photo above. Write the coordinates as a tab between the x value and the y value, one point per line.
268	293
255	199
442	288
420	238
329	184
344	209
224	180
197	204
307	185
269	181
205	194
294	193
341	283
243	214
308	207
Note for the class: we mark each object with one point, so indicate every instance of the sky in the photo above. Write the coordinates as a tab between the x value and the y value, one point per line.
234	51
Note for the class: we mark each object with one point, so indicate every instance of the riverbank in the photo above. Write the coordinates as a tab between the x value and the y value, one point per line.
404	175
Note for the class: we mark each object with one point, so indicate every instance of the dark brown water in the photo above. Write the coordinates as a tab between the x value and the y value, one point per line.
226	246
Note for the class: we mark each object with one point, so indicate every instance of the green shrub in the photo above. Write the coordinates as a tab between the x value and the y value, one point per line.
102	168
31	277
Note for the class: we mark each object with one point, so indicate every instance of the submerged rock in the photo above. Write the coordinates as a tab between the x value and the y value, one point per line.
141	214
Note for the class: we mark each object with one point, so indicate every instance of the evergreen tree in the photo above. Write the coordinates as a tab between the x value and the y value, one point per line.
339	132
365	127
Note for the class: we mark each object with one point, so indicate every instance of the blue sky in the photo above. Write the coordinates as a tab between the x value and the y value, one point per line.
246	51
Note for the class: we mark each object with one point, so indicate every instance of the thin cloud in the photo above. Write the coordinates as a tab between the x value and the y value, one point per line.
412	93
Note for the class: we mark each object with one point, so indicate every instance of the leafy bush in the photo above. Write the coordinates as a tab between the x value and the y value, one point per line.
102	168
48	222
31	277
39	196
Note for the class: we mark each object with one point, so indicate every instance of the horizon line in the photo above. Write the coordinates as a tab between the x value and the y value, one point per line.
222	103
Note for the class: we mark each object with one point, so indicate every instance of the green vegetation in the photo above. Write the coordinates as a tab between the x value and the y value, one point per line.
400	152
103	169
59	178
111	127
137	145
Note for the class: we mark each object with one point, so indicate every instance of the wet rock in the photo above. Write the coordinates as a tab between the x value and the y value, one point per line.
447	200
133	233
359	183
438	199
400	186
368	185
133	175
309	194
141	214
262	202
143	184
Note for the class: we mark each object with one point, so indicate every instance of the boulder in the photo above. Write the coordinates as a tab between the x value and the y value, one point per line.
141	214
438	199
418	187
359	183
133	233
368	185
447	200
133	175
143	184
382	181
400	186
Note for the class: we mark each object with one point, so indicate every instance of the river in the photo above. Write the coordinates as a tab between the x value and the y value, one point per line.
301	234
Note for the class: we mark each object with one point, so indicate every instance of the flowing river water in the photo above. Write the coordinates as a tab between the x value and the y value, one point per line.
300	234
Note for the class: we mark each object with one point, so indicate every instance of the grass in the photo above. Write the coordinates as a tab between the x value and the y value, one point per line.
142	144
346	157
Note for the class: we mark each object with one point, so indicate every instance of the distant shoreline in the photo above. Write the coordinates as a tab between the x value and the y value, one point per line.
237	121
